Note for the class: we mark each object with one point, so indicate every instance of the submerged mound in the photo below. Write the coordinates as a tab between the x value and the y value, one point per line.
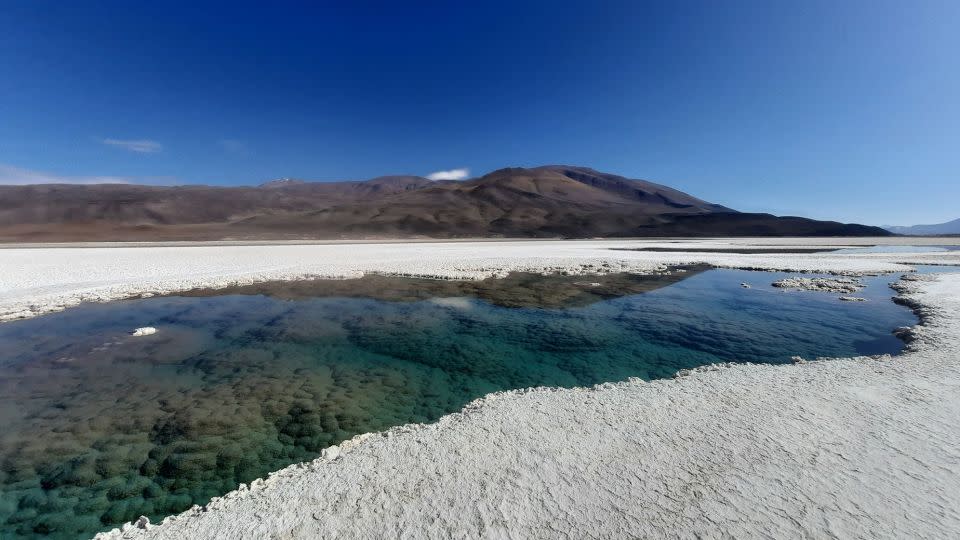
834	285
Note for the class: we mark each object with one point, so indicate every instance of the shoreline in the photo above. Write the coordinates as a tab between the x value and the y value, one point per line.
43	280
783	241
304	242
850	447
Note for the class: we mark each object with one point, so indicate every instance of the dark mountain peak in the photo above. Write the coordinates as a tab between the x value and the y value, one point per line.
635	190
572	168
506	171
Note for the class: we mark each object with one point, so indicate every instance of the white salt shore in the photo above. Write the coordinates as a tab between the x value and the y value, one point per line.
850	448
37	280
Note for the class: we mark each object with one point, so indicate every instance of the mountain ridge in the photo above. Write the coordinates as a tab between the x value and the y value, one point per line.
560	201
949	227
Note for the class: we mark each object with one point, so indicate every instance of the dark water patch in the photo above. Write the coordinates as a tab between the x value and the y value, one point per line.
101	427
878	344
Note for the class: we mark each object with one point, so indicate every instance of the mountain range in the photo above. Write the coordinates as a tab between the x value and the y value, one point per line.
950	227
544	202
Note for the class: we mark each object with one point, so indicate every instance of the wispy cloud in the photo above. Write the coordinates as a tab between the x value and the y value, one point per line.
233	146
140	146
15	176
452	174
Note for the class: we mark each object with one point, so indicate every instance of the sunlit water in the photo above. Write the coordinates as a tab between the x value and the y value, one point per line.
100	427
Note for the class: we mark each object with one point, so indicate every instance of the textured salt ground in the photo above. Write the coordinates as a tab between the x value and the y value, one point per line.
34	281
849	448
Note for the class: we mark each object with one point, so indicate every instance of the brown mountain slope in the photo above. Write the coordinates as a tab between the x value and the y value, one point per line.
550	201
128	204
638	190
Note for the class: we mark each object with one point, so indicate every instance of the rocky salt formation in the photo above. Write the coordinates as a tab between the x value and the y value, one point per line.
144	331
832	285
852	299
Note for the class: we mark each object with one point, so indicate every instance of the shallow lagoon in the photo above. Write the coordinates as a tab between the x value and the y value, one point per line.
101	427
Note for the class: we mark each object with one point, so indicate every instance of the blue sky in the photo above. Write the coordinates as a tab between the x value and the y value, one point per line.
842	110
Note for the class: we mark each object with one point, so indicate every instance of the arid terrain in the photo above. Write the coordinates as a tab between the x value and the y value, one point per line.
542	202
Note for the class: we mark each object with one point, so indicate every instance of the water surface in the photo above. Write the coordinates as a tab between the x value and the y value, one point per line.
101	427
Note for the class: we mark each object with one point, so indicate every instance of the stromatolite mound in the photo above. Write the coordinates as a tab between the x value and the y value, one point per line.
833	285
144	331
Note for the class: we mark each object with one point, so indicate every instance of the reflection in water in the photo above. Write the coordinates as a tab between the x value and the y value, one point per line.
518	289
101	427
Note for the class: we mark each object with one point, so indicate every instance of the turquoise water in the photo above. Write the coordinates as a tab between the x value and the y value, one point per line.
100	427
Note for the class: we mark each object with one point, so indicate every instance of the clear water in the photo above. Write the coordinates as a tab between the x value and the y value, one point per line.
935	268
100	427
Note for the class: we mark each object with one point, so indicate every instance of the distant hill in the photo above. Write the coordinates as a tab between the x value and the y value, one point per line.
950	227
548	202
282	182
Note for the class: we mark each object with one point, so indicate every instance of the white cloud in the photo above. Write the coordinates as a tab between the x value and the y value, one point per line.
140	147
452	174
14	176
